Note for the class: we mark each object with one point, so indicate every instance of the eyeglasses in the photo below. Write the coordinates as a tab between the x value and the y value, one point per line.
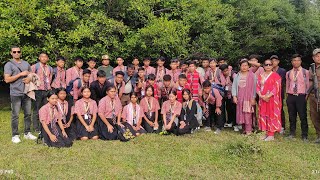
14	52
267	64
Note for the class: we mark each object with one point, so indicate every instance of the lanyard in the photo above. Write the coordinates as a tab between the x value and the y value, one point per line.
149	104
86	107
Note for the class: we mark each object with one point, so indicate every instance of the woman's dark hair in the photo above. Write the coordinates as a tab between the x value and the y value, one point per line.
50	93
111	87
60	58
134	94
60	89
152	88
206	83
82	89
255	56
244	60
173	91
188	92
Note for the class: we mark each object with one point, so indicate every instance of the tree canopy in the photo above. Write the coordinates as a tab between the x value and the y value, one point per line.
170	28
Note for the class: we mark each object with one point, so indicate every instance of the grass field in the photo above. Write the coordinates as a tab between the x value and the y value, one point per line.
203	155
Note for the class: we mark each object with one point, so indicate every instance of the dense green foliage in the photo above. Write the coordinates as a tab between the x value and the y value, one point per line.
170	28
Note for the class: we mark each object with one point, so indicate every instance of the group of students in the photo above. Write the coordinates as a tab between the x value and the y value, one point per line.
126	101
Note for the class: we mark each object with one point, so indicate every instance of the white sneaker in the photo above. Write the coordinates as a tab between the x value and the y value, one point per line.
282	131
207	129
235	128
269	138
239	127
16	139
30	136
218	131
228	125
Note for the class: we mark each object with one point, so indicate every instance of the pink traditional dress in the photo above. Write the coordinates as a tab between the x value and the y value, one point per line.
243	88
270	112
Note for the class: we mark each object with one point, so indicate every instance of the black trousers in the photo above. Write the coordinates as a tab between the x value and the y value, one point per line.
41	99
231	111
283	117
297	104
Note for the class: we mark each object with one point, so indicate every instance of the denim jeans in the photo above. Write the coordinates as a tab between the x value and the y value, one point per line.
41	99
18	102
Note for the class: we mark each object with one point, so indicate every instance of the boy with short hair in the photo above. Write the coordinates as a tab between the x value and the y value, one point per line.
91	66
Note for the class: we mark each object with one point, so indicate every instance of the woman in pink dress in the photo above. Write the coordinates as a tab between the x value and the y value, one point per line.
244	94
269	92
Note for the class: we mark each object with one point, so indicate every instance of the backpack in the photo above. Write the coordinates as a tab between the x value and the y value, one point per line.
304	72
70	85
221	89
37	66
54	74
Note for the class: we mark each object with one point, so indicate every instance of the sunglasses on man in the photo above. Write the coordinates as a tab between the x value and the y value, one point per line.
14	52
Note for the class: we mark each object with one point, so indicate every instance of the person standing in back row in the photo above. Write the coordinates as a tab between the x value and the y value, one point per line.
282	73
315	93
15	73
297	84
45	73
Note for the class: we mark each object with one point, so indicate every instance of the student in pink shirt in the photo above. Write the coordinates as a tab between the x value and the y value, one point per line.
120	66
66	114
109	112
86	110
213	71
141	83
59	74
174	72
150	107
118	83
53	131
166	87
297	84
160	70
146	65
152	81
131	116
170	111
74	72
255	65
44	72
182	84
136	64
80	83
91	66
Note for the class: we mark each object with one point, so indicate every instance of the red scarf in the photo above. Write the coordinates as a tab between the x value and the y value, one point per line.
193	80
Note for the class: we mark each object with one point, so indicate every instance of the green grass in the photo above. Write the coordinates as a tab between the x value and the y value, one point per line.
199	156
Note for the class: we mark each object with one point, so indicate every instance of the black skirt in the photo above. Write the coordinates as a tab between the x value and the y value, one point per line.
62	141
82	132
104	134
